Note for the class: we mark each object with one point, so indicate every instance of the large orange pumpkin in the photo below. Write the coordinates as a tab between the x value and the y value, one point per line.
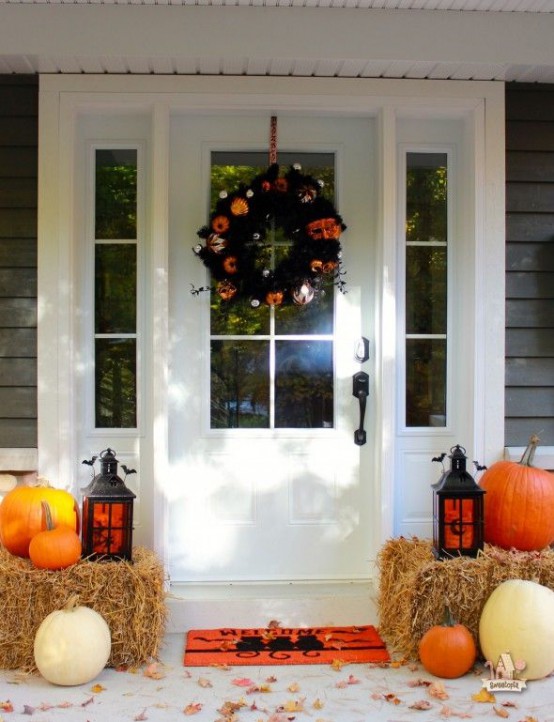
22	515
447	650
519	506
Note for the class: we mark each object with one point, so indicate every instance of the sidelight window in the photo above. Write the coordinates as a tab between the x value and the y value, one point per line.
426	258
115	287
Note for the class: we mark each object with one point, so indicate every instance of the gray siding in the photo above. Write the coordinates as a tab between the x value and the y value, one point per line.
18	260
529	263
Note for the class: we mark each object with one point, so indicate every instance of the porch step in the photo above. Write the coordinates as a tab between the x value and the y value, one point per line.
252	605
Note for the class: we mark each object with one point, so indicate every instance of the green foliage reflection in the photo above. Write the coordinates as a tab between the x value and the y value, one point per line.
116	195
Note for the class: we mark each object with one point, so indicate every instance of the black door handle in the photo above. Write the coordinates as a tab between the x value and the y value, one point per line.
360	389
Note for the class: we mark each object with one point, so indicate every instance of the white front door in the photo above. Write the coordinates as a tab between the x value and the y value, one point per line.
273	502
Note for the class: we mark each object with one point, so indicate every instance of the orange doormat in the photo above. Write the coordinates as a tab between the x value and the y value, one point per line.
318	645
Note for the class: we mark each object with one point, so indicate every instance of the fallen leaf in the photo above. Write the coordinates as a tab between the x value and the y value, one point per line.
274	624
243	682
352	679
509	704
392	698
389	697
292	705
229	708
263	688
422	704
419	682
27	709
294	687
501	712
153	672
6	706
449	712
271	679
97	688
203	682
193	708
141	716
338	664
437	690
483	696
318	704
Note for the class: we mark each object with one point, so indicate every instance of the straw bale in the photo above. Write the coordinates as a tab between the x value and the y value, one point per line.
129	595
414	587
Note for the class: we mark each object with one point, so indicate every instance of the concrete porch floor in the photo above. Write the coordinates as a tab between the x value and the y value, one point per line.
168	691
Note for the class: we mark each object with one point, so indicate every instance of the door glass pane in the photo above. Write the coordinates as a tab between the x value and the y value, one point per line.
304	384
116	194
115	287
426	255
426	206
426	382
116	383
426	289
258	380
239	374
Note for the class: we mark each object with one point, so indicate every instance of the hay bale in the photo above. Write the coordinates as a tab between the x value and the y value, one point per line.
130	597
414	587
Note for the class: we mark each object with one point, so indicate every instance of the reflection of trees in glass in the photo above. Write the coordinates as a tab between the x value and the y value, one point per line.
239	384
115	288
426	205
304	384
115	383
426	288
116	201
426	382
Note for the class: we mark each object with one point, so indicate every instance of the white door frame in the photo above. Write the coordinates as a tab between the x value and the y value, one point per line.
64	100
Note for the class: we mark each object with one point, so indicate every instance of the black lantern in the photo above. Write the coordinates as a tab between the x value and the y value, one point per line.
458	510
108	512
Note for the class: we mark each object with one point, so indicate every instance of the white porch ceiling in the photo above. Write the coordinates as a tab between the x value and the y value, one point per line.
505	40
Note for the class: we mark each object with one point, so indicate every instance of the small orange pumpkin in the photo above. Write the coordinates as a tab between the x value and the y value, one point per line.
447	650
22	516
230	265
274	298
519	506
57	547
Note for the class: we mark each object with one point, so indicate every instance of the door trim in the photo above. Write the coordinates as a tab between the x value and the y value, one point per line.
64	100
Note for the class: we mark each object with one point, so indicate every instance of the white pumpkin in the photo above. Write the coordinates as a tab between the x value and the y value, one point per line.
72	645
518	618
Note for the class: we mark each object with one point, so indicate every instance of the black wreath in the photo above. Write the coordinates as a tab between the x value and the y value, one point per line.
236	233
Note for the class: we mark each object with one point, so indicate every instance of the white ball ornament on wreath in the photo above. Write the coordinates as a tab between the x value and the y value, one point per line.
72	645
518	618
303	294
